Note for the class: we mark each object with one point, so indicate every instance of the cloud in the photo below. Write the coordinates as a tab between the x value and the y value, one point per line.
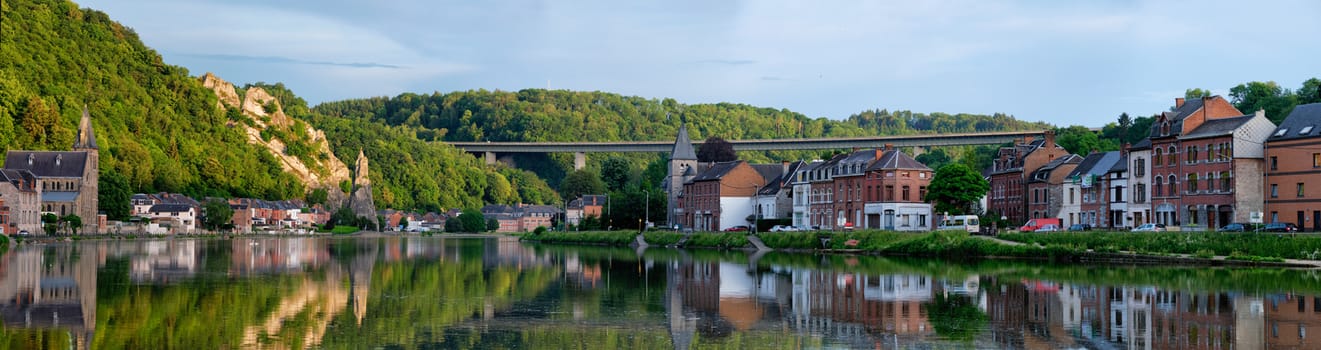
287	60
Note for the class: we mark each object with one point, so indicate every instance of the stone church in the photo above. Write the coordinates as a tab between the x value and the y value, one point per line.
65	182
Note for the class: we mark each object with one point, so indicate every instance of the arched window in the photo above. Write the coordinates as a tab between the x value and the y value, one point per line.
1170	157
1170	185
1157	188
1157	160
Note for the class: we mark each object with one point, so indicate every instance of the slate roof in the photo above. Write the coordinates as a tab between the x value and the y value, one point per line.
18	178
683	146
895	159
1145	144
540	209
1302	117
1096	164
768	172
169	208
1043	173
1121	165
63	196
588	199
717	170
44	163
1177	115
1217	127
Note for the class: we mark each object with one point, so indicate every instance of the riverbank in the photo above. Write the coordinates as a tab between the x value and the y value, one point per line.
1177	248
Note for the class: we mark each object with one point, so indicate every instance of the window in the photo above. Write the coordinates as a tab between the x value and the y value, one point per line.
1141	165
1275	191
1316	160
905	193
1300	190
1274	163
922	194
1071	201
1209	155
889	193
1210	183
1170	187
1306	129
1170	157
1224	181
1281	131
1156	160
1158	188
1192	154
1192	183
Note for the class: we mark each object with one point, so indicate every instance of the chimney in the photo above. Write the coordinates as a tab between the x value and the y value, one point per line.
889	147
1178	102
855	149
1260	113
784	167
1050	139
1124	149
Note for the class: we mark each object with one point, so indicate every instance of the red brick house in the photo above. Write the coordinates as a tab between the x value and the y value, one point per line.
1009	175
1293	173
721	196
895	192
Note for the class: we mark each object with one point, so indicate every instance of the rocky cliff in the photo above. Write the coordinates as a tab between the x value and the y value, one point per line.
361	202
267	118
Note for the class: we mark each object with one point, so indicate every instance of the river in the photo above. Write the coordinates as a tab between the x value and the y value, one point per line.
487	292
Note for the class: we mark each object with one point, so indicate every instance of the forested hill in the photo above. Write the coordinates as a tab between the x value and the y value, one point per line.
158	129
560	115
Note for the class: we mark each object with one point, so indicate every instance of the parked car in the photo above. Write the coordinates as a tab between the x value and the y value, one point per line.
783	228
1236	227
1080	227
1048	228
1150	228
1038	223
1280	227
739	228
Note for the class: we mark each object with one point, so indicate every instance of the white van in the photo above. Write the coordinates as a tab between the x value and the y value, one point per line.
961	222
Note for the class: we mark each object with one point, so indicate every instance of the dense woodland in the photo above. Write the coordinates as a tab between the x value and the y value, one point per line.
160	130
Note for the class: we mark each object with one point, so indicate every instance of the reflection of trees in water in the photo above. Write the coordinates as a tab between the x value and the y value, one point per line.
956	317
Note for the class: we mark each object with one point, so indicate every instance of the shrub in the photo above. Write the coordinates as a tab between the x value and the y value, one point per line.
662	238
718	240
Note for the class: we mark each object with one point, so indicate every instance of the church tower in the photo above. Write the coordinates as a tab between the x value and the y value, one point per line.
682	159
88	203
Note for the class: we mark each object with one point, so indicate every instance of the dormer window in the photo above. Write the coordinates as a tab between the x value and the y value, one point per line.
29	159
58	158
1281	132
1165	128
1306	129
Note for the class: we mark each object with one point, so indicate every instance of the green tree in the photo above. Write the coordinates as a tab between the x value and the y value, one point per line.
1196	93
499	190
956	188
581	182
492	224
1268	96
716	149
72	222
934	159
1125	122
50	223
1081	140
1310	92
114	196
616	172
317	196
453	225
472	221
217	214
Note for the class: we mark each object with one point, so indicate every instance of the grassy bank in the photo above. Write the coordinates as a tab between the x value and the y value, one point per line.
1239	246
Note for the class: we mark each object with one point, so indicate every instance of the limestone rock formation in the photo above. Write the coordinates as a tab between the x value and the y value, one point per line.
325	173
361	201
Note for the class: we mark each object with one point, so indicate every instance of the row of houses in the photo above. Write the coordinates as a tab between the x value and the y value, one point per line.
872	188
1203	165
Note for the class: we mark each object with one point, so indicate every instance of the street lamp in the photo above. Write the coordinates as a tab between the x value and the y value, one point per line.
646	216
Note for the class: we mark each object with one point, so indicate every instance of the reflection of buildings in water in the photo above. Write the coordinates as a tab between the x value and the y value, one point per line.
1249	324
1288	319
54	287
164	261
1191	321
1131	317
275	255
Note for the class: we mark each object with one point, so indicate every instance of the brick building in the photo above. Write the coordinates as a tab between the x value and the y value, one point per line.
1045	187
896	188
1009	172
720	197
1167	157
1293	174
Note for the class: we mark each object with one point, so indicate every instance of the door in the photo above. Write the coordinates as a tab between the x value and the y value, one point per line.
1316	221
889	219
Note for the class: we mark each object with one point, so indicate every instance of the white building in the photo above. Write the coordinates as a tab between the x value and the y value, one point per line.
1139	183
181	218
802	206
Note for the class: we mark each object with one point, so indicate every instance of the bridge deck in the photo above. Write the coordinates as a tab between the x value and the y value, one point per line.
989	138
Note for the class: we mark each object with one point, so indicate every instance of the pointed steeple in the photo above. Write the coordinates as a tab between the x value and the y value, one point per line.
683	146
86	137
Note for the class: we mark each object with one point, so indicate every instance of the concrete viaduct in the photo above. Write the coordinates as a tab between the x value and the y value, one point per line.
580	149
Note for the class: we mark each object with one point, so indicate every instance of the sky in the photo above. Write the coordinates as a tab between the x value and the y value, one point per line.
1062	62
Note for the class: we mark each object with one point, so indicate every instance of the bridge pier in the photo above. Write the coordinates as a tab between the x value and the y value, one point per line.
490	158
579	160
918	150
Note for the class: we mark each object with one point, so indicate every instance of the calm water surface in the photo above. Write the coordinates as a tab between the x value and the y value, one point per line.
432	292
